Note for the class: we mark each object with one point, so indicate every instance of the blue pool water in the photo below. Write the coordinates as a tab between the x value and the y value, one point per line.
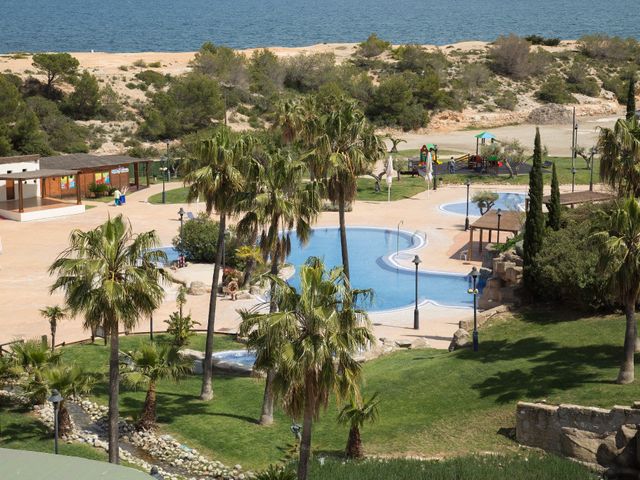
243	357
506	201
171	253
370	268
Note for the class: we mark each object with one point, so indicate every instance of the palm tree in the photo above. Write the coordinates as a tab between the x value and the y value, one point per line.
148	365
281	204
54	314
313	336
32	355
109	275
215	174
70	380
356	414
620	156
619	241
343	147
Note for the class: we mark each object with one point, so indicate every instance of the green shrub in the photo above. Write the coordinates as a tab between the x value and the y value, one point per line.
539	40
566	267
151	77
154	65
373	46
507	100
307	73
140	63
579	82
85	102
180	328
511	56
554	90
610	49
222	63
99	189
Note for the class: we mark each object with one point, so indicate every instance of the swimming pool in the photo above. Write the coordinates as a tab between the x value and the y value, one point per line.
371	260
506	201
244	358
171	253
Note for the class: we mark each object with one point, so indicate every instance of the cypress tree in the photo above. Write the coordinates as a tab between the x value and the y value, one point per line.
553	220
534	224
631	97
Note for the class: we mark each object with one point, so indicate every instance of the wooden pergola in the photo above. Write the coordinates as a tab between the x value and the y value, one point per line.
577	198
510	222
21	177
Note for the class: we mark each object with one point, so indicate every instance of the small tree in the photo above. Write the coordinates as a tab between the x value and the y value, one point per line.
553	206
484	200
55	66
148	365
356	414
373	46
84	102
54	314
534	224
631	97
180	328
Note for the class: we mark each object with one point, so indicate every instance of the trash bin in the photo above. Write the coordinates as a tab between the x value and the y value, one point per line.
123	199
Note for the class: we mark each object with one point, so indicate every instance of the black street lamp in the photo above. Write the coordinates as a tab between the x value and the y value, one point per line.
499	212
466	220
474	291
435	167
416	314
593	152
181	212
55	398
163	169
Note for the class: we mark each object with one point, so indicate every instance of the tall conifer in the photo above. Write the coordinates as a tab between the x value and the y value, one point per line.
534	224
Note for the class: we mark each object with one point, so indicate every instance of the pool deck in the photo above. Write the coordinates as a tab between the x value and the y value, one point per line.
30	248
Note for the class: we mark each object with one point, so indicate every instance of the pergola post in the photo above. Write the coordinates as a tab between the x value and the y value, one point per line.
136	175
20	197
43	188
471	243
146	168
78	189
481	232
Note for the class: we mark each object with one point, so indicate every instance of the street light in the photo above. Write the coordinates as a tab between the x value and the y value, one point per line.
55	398
499	212
435	168
474	291
573	179
163	169
466	220
181	212
416	314
593	152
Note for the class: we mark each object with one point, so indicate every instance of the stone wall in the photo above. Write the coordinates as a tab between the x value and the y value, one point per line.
605	437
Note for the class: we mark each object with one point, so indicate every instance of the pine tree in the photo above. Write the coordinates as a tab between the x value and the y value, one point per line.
534	224
553	220
631	98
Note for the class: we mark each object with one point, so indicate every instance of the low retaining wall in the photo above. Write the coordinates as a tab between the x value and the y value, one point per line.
483	317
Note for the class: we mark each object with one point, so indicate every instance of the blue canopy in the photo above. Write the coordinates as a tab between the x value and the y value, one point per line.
485	135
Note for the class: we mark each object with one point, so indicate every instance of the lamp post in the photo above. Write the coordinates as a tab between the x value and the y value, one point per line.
181	213
55	398
574	147
416	314
474	291
593	152
499	212
466	220
435	167
163	169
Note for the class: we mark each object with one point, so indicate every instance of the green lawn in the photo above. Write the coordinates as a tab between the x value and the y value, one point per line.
531	467
173	195
20	429
407	187
433	402
563	165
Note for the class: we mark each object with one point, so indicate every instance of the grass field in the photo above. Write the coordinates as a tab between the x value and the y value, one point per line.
531	467
433	402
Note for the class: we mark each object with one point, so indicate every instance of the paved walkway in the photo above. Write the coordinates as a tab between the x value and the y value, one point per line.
31	247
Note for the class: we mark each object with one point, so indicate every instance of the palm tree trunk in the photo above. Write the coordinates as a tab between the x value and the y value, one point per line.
343	234
307	424
248	270
147	420
266	417
207	375
53	336
354	444
114	390
64	420
627	369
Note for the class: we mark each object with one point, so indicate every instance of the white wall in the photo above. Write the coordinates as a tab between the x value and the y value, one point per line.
30	188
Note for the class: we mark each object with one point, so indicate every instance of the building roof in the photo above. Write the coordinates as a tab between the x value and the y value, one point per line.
575	198
85	161
44	173
19	159
22	464
510	221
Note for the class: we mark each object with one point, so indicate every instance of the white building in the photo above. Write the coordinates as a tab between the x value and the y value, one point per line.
22	163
